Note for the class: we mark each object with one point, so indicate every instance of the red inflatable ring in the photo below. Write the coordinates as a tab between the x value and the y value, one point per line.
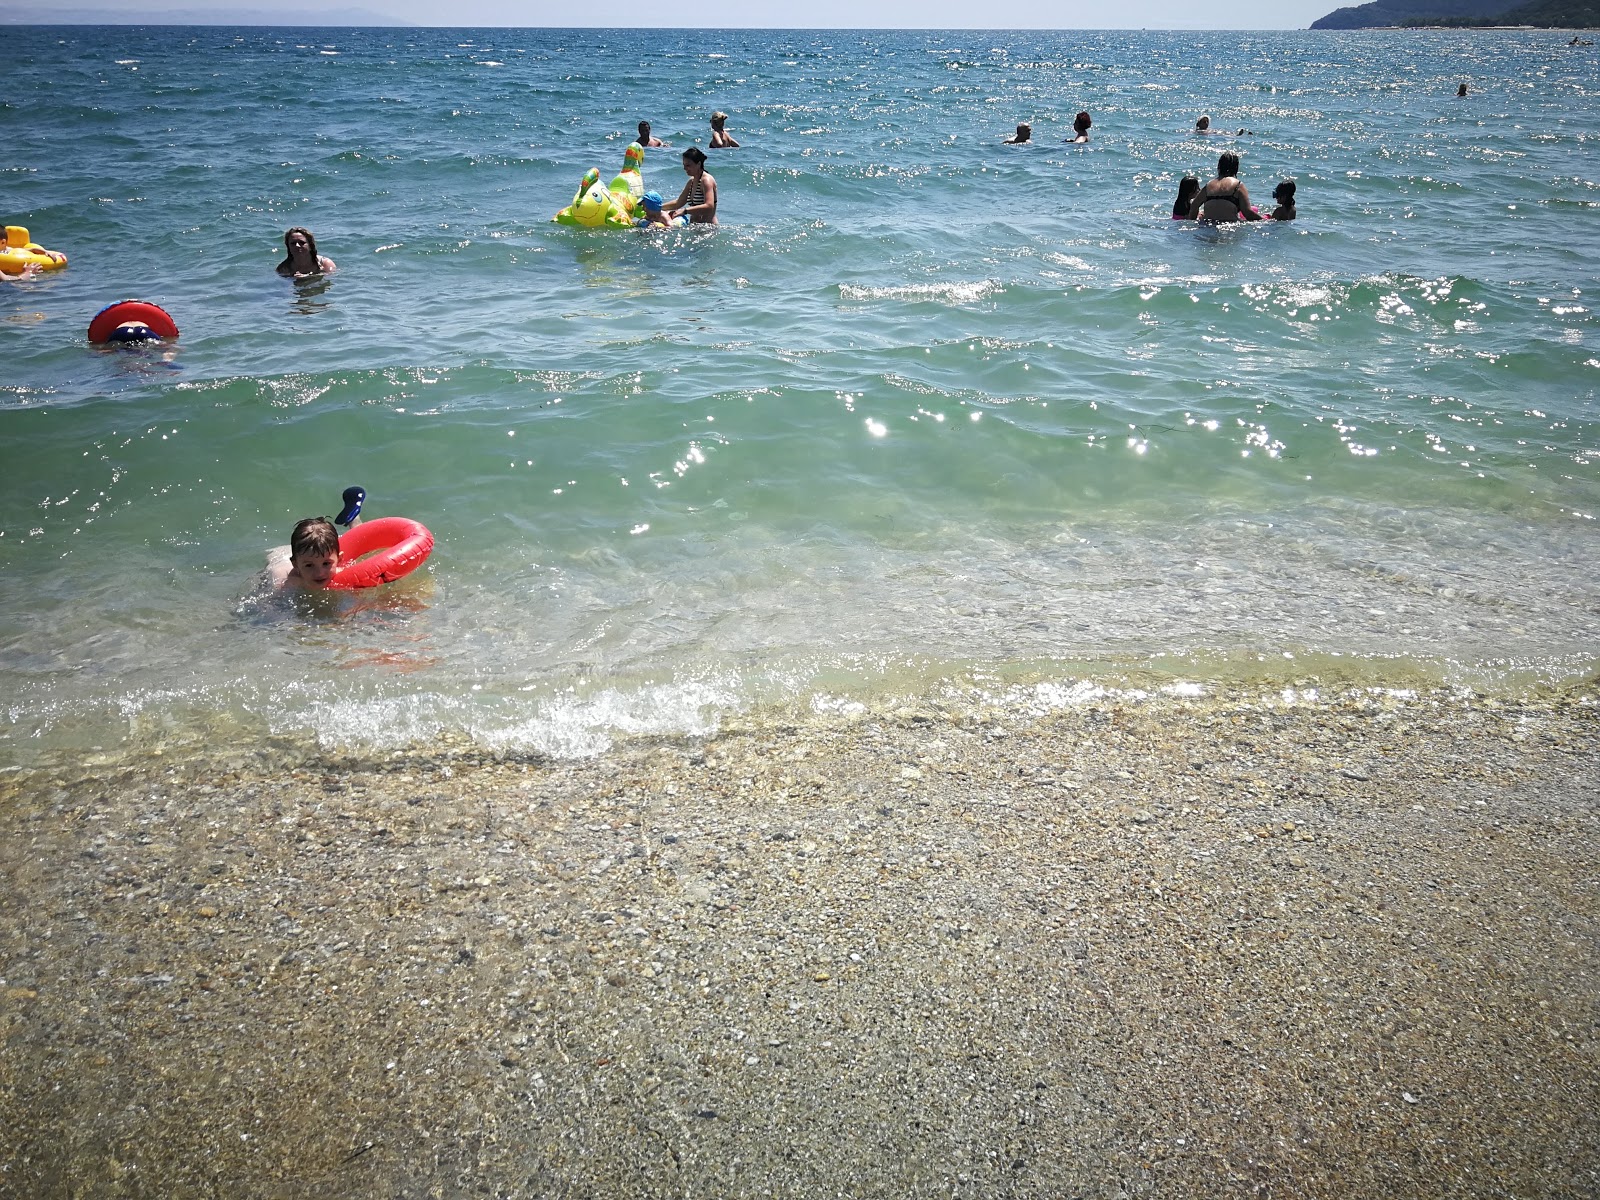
402	546
112	315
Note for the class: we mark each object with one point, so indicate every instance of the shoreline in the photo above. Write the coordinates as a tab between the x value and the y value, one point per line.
1168	947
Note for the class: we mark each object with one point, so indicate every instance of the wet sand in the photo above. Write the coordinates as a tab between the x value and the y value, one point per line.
1174	948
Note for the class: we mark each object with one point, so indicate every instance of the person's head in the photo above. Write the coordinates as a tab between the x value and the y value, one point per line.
133	331
694	160
644	131
1187	187
1284	193
314	550
299	239
651	201
1082	121
1227	164
718	120
1024	131
1462	90
1203	124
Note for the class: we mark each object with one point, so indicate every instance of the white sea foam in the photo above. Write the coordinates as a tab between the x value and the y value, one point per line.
946	293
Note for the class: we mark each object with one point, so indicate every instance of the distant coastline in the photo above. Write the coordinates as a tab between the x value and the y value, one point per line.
1465	14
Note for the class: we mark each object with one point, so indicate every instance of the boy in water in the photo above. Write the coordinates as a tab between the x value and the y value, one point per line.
652	212
309	560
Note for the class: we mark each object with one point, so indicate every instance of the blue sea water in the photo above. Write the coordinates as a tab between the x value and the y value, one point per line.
925	416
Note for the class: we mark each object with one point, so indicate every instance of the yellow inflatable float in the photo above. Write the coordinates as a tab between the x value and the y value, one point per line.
21	252
613	207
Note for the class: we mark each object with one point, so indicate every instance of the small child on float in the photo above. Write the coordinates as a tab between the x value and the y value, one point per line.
311	558
653	214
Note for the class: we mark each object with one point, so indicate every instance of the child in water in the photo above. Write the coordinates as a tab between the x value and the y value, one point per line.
1284	195
653	215
1022	137
313	557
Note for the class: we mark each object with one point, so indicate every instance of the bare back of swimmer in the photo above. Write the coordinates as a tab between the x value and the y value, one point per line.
1224	199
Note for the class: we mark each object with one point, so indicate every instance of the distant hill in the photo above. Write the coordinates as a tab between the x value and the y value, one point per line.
1387	14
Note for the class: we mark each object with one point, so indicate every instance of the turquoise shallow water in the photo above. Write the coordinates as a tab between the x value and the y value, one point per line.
925	415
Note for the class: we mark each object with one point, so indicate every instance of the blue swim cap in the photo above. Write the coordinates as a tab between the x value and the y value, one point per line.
652	200
133	331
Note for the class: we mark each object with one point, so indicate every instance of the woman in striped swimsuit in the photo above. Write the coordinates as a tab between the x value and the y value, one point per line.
698	200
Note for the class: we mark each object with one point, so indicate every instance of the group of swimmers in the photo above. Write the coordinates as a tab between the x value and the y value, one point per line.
698	200
1080	131
1225	199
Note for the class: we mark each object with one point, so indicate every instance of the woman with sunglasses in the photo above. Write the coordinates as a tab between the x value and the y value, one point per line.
303	258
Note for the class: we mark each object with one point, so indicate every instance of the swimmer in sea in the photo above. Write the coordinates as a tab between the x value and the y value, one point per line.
1022	137
647	139
1187	187
310	559
1080	127
1224	199
1203	125
698	200
653	216
303	258
1461	91
721	139
1284	195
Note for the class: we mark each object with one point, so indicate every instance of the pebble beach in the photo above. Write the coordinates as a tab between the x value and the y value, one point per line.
1239	945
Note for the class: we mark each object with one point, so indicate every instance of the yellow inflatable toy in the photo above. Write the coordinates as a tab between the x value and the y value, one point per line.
20	252
632	174
613	207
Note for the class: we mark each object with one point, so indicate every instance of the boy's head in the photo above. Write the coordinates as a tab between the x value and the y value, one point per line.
651	201
314	550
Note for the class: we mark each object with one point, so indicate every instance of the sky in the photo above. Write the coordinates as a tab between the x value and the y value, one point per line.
729	14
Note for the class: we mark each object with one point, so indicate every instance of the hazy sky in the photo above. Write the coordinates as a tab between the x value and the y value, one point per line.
871	14
715	14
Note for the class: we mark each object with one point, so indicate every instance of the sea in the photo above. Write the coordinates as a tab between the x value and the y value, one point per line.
925	420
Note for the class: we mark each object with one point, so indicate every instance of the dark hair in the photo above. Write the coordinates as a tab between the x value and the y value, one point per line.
1227	165
644	129
695	155
1083	120
1187	187
311	244
314	535
1284	191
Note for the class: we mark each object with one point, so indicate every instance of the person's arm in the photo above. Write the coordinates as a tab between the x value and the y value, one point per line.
676	206
1247	211
325	264
727	140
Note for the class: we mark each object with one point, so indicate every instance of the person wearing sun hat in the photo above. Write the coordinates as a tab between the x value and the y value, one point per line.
651	202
